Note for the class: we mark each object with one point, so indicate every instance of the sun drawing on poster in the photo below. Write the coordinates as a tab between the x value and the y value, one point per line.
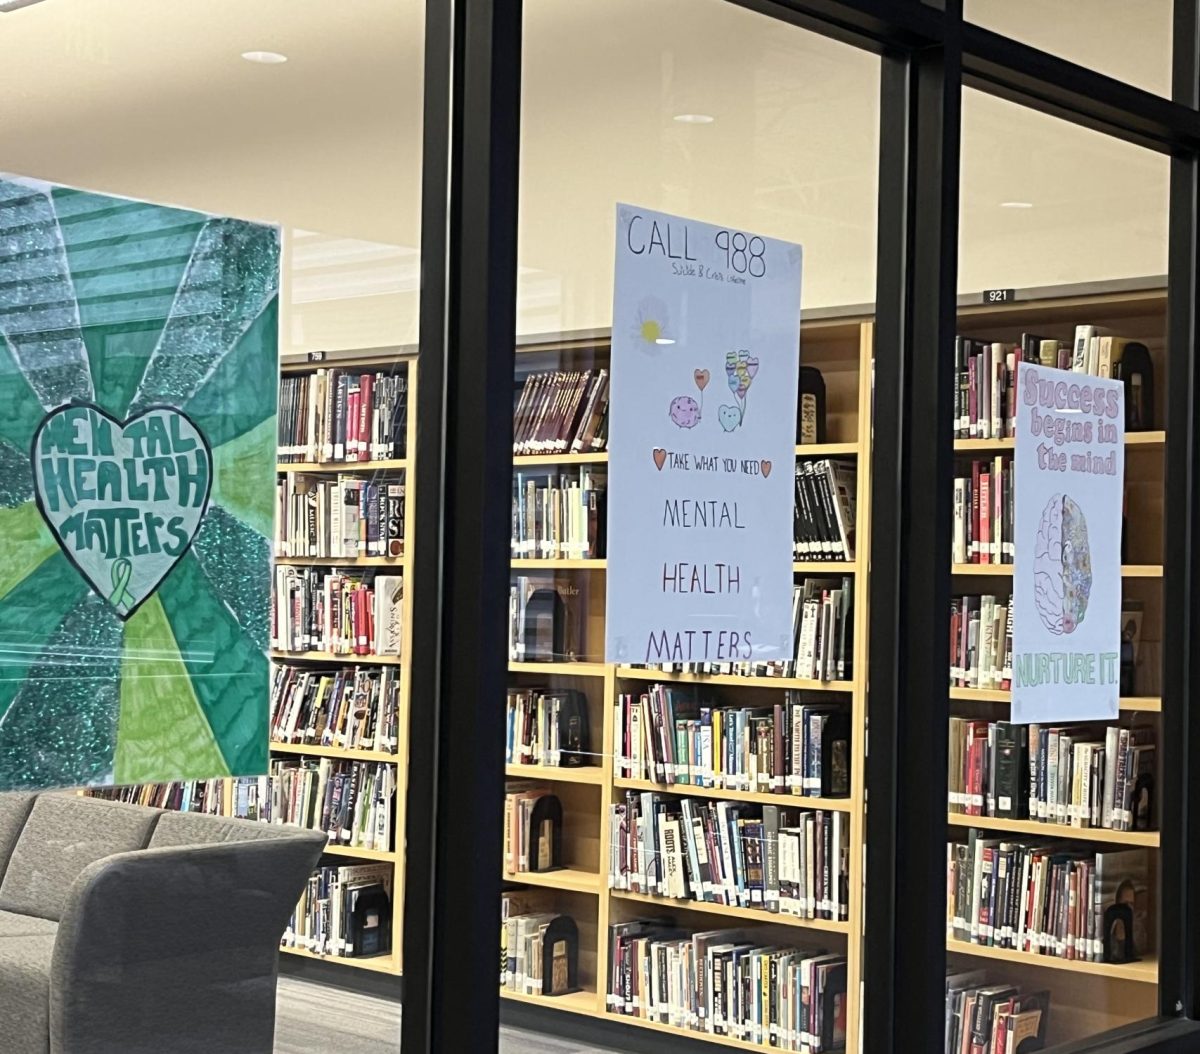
134	621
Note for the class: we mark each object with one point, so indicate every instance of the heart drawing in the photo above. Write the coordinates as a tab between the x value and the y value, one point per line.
123	499
660	455
766	468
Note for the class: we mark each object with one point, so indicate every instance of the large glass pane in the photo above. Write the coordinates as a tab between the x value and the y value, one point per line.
1129	40
703	842
1052	849
305	118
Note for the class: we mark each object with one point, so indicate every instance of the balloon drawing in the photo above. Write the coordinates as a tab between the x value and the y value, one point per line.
684	410
740	370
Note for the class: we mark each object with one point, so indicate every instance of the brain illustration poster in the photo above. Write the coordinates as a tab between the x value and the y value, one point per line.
702	433
1070	474
138	364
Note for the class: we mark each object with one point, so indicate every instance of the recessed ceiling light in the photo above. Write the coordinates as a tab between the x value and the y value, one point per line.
1016	204
694	118
13	5
264	58
663	340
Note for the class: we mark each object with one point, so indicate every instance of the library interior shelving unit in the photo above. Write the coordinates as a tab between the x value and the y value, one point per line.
381	361
841	349
1086	997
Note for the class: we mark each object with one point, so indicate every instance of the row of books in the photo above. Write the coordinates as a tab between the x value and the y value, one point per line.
1080	775
1054	900
332	611
329	917
547	617
824	523
534	732
783	860
739	983
532	828
351	801
562	411
527	922
559	516
337	518
354	708
985	374
981	642
983	1018
333	415
983	513
666	734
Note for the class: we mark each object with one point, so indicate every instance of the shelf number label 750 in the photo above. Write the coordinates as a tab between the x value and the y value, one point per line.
743	255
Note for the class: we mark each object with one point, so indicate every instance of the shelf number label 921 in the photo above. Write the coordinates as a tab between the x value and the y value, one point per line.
743	254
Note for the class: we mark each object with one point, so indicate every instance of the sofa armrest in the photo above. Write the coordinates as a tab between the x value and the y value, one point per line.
176	949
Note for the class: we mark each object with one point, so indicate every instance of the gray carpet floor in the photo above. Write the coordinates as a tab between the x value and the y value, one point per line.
315	1019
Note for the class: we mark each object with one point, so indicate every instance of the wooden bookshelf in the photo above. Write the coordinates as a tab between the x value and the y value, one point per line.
395	467
842	350
1055	830
1086	997
348	467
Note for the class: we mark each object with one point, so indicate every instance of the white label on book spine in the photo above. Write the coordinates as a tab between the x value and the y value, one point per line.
706	326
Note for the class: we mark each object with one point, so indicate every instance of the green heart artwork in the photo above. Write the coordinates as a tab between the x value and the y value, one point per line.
138	380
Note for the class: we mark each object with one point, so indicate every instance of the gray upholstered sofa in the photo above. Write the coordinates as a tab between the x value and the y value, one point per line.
133	931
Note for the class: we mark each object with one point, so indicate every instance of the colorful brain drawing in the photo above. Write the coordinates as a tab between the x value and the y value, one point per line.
1063	566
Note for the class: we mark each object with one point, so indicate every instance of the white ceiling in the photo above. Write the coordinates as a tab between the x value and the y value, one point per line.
149	98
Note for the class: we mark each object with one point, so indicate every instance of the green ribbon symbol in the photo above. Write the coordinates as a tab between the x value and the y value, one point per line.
122	572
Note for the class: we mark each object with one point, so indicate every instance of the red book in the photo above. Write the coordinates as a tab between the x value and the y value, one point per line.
366	433
352	425
973	556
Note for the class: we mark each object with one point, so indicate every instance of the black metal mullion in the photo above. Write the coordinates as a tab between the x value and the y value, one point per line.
1179	794
1045	82
461	549
870	24
912	463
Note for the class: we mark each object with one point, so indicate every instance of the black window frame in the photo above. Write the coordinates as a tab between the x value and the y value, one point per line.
460	569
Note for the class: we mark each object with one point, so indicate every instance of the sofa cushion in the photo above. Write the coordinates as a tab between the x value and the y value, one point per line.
14	925
25	984
176	829
14	810
61	837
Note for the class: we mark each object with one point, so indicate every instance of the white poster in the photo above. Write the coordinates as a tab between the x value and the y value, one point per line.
1070	473
702	442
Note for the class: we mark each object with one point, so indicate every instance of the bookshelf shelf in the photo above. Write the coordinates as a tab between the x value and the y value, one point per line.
389	465
315	750
799	683
732	911
590	775
559	669
598	457
825	449
571	879
1147	704
675	1030
720	794
525	564
1127	570
342	561
1143	972
338	657
374	963
582	1002
1056	830
384	855
824	567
